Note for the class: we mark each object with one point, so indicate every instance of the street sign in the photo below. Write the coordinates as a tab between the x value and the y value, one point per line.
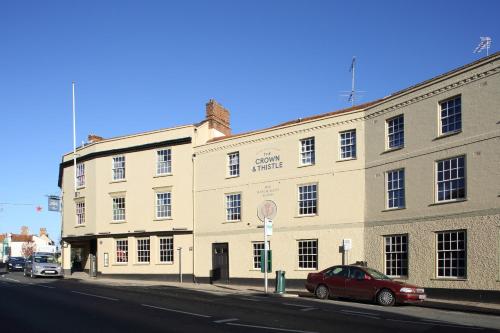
267	209
347	244
54	203
268	227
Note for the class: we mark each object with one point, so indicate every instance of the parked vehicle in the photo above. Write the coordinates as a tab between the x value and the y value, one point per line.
42	264
15	264
362	283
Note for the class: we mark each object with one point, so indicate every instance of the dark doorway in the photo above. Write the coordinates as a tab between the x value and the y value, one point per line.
220	262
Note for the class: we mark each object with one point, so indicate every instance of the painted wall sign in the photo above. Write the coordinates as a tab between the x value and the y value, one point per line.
268	160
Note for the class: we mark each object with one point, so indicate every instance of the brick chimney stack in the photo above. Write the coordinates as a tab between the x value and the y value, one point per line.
218	117
25	230
92	138
43	231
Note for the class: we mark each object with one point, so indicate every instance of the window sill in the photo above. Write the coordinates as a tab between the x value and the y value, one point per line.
449	279
392	209
305	269
306	215
442	136
390	150
163	175
80	187
230	222
447	202
141	264
165	263
346	159
80	225
163	219
118	222
120	264
118	181
235	176
306	165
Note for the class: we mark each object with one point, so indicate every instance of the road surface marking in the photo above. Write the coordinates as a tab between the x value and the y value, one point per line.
361	314
435	323
297	305
178	311
225	320
44	286
307	309
12	280
249	299
92	295
270	328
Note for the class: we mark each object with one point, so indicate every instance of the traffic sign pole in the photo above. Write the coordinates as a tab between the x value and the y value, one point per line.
266	248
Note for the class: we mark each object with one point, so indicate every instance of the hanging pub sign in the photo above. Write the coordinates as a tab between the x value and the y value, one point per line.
267	160
54	203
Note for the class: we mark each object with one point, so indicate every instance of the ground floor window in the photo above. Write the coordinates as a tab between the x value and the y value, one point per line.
257	248
451	254
396	255
122	250
166	249
308	253
143	248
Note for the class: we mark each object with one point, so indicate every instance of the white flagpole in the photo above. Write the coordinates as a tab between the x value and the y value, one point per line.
74	137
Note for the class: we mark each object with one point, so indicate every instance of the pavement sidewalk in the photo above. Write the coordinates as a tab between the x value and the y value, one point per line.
444	304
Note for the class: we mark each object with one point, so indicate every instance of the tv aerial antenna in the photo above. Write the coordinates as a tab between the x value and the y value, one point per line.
352	95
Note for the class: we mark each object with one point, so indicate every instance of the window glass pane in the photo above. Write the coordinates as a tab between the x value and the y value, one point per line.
451	254
307	251
348	144
451	179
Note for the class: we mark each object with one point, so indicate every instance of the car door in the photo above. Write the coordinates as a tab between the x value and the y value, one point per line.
359	285
335	280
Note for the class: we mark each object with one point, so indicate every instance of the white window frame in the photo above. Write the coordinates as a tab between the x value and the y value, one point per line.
117	209
352	143
308	151
257	248
164	162
80	212
451	179
315	199
120	244
389	127
399	188
233	213
233	164
143	250
161	207
441	118
80	175
304	261
453	250
118	164
398	253
166	250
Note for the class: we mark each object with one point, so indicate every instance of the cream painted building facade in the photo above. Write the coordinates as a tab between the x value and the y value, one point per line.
411	181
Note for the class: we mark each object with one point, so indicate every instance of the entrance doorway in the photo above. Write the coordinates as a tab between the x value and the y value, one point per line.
220	262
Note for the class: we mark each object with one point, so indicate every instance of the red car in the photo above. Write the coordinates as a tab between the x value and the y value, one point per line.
362	283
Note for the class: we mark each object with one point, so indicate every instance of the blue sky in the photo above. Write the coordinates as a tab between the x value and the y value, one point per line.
144	65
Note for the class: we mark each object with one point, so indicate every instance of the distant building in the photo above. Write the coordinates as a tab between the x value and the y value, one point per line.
410	181
13	243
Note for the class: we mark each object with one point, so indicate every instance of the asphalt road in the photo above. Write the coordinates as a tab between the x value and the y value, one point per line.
51	305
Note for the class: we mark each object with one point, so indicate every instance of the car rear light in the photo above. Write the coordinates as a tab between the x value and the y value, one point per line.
420	291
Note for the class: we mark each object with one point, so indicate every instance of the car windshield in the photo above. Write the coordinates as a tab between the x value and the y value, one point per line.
45	259
376	274
17	259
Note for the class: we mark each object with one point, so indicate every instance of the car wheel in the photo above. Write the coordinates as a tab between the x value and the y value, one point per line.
386	298
322	292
